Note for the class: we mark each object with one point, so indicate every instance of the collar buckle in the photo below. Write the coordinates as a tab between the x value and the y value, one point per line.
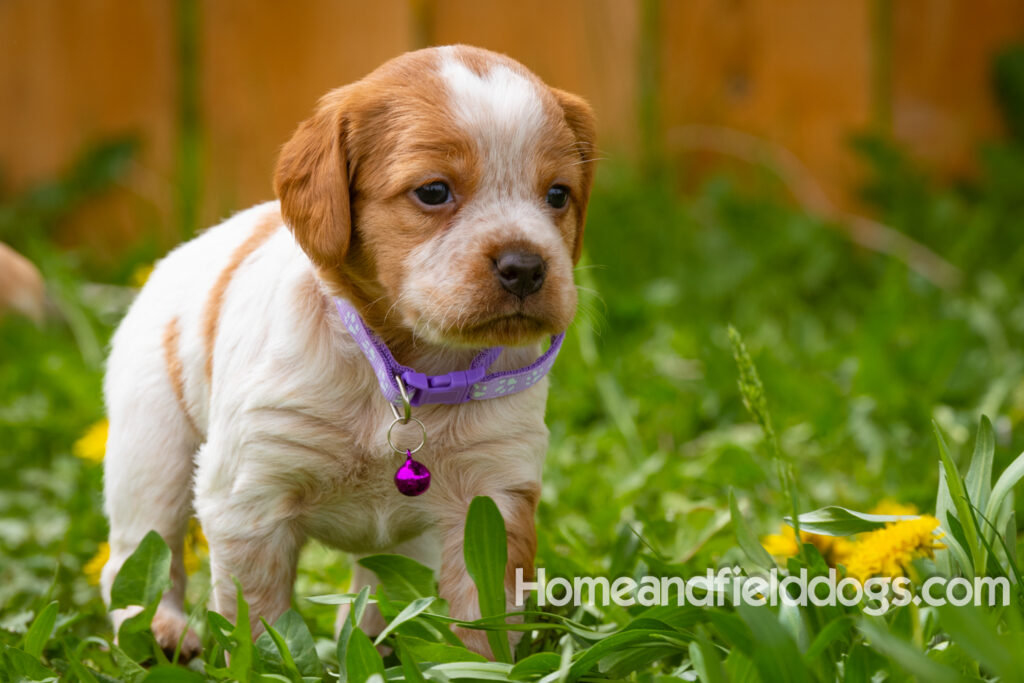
454	387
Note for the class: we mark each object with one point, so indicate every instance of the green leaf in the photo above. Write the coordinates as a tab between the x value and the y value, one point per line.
792	618
1002	490
220	628
144	576
362	659
168	673
956	533
907	656
1009	537
485	549
678	617
277	652
403	578
838	521
979	476
954	551
775	654
24	665
622	663
858	664
80	672
355	615
612	644
484	671
412	610
535	666
748	542
962	504
739	667
834	630
129	669
732	629
40	631
337	599
241	637
943	504
706	662
977	635
410	667
297	642
426	651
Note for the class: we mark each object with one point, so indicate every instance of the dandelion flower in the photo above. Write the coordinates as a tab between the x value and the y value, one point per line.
94	567
891	507
834	549
92	445
889	551
782	544
141	274
195	547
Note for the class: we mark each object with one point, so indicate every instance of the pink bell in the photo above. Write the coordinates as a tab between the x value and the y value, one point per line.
413	477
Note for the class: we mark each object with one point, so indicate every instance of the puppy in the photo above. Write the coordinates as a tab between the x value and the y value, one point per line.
443	197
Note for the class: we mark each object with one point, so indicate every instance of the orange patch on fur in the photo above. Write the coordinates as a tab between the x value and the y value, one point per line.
175	371
215	299
522	535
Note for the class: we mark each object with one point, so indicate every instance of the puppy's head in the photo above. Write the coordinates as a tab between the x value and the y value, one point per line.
446	193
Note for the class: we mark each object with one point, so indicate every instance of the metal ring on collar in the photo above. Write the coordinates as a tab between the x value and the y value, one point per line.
423	437
406	405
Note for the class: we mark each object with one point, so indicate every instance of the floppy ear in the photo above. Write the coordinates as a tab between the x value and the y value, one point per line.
580	118
311	180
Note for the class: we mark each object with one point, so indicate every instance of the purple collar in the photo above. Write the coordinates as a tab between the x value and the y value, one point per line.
452	388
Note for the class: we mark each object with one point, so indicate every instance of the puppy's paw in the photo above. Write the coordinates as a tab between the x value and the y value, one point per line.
167	627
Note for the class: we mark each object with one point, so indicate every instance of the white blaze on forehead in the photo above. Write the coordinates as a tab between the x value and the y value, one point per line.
502	110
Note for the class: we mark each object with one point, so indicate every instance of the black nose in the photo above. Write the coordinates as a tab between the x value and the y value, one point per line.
520	272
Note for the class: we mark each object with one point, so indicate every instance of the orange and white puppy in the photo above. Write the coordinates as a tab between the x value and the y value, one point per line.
444	196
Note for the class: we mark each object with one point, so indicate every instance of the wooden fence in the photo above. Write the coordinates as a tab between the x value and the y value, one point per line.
213	87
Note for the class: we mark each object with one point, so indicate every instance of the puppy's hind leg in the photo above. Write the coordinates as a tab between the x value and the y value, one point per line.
148	477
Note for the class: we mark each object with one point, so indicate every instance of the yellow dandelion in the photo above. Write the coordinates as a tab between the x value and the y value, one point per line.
141	274
889	551
94	566
782	544
891	507
92	445
196	547
833	549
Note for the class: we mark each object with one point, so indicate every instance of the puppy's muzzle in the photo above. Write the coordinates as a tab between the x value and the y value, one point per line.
520	272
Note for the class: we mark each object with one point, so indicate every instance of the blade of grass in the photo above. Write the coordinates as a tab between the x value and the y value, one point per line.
979	475
485	549
962	503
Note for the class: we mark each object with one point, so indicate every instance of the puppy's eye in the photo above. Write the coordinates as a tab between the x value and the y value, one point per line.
433	194
558	195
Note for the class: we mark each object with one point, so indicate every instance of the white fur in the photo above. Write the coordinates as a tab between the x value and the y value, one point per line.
501	109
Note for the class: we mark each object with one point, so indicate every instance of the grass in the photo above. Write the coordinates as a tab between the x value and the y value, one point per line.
651	440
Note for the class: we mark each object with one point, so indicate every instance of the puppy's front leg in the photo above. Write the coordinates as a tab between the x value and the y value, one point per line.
264	565
518	506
